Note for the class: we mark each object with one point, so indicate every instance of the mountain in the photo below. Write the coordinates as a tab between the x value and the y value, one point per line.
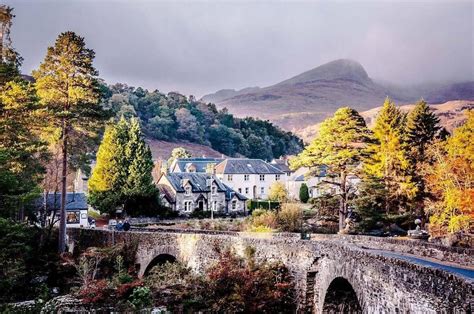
312	96
451	115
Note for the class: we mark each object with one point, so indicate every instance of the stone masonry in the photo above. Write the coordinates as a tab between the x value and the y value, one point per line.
382	284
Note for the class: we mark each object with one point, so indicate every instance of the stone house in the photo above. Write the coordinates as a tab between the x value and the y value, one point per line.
250	177
186	192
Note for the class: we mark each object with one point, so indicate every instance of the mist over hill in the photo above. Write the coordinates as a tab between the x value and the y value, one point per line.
314	95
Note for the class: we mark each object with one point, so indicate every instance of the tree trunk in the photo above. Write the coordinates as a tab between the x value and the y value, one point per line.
343	209
62	222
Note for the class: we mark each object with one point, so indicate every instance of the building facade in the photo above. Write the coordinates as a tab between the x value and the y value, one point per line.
250	177
186	192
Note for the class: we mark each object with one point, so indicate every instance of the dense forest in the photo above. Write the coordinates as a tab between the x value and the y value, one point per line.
172	117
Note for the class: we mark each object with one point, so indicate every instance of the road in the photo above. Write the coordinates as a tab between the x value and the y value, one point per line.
460	271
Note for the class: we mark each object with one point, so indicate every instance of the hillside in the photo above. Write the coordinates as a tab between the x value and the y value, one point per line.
161	150
312	96
451	115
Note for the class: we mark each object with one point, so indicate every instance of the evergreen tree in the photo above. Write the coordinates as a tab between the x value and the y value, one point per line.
123	173
389	160
339	146
420	131
139	181
107	177
66	83
304	193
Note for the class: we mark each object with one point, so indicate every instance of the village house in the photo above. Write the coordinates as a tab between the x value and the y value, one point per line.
317	183
250	177
186	192
76	208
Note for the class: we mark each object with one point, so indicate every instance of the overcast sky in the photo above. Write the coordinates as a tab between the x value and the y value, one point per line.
201	47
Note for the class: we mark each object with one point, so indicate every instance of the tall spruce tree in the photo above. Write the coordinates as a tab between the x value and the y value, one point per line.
390	160
422	127
340	145
123	173
66	83
139	181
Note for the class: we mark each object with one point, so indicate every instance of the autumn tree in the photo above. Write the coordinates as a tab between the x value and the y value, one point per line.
177	153
450	181
390	161
66	83
278	192
340	146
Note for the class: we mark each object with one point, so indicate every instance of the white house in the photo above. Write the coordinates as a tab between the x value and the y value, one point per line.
250	177
317	182
76	207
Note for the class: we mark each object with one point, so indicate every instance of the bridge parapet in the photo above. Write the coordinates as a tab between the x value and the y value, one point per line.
381	283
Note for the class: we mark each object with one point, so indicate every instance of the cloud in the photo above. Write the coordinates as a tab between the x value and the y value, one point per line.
199	47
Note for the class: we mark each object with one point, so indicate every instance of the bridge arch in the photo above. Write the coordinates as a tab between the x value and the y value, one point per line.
341	298
157	256
159	260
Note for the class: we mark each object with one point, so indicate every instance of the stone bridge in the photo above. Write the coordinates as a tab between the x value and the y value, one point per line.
332	273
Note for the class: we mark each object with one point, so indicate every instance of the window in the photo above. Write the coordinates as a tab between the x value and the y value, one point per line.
262	177
229	177
246	190
246	177
214	206
214	190
277	177
72	217
262	190
187	190
234	204
188	205
240	190
288	174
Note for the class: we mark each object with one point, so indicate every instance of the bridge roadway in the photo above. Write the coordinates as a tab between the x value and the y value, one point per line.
332	272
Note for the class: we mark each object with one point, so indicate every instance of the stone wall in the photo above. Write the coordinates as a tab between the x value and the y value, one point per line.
382	284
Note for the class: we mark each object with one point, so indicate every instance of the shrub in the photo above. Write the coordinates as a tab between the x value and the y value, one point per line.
278	192
168	274
290	217
263	218
97	291
141	297
304	193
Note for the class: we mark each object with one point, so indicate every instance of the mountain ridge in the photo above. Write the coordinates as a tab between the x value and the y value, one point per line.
312	96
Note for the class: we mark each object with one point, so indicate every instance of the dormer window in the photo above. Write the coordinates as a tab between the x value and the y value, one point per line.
214	190
187	190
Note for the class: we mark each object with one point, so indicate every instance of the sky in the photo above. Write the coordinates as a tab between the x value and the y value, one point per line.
200	47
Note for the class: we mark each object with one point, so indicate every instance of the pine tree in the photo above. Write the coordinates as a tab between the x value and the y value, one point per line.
420	131
339	146
390	160
66	83
304	193
422	126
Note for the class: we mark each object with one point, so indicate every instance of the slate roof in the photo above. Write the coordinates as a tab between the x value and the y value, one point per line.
74	201
166	192
230	192
246	166
198	181
281	164
199	163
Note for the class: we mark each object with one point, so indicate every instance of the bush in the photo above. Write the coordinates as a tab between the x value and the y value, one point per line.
263	218
304	193
290	217
141	297
253	204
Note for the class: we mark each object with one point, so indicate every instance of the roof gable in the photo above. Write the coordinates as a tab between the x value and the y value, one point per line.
198	181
